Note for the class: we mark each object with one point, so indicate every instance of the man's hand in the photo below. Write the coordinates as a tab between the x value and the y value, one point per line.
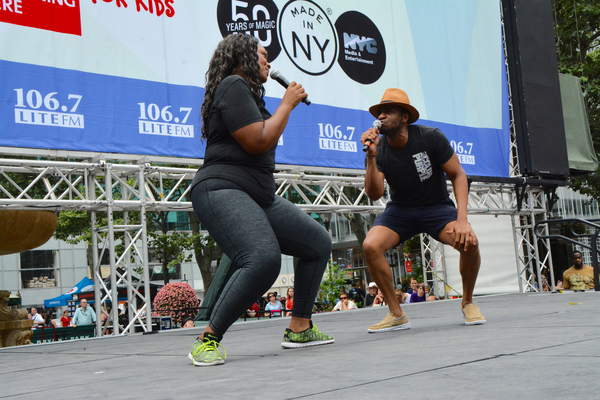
373	136
464	237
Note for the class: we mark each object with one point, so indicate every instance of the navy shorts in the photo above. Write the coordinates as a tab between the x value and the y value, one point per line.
410	221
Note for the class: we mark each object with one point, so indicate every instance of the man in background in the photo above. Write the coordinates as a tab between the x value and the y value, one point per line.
579	276
84	315
37	318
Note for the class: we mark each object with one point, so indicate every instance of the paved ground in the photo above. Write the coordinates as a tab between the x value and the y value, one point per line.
534	346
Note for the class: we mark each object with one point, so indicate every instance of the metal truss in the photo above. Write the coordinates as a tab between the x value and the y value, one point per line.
132	187
533	256
434	267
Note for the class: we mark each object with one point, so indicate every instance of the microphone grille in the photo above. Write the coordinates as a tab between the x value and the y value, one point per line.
274	74
377	124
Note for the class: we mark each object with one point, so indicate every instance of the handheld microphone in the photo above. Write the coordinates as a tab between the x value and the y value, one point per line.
275	74
368	143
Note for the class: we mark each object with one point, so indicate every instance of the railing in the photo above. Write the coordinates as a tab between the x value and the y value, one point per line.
193	311
260	313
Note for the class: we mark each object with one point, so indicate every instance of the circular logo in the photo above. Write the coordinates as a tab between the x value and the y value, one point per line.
251	17
307	36
362	51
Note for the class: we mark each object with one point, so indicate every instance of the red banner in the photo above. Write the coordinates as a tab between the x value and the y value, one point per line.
408	266
61	16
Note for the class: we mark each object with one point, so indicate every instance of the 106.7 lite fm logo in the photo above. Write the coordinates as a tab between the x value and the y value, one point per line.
308	37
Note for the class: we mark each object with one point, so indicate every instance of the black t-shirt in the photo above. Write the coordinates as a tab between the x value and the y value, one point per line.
414	172
234	107
369	299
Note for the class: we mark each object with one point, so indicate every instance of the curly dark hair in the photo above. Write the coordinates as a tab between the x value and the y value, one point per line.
235	51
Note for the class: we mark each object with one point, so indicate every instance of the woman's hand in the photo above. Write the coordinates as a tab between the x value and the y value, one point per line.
293	95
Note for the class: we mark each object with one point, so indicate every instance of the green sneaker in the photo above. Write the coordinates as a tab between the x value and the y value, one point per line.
205	352
310	337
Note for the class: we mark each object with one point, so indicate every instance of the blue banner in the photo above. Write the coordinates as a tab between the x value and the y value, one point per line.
131	80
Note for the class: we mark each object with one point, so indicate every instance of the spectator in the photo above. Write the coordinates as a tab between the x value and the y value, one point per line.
48	321
579	276
413	286
432	298
344	303
84	315
65	321
370	297
103	315
379	300
289	305
419	295
37	318
403	298
342	291
273	305
405	285
188	323
142	310
356	293
545	284
262	302
252	311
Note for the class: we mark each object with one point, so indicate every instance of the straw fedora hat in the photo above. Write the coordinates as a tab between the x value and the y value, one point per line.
398	97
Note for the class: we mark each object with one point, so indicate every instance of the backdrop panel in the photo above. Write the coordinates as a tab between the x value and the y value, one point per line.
127	76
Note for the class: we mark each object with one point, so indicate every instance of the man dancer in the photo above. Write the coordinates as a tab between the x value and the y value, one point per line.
413	160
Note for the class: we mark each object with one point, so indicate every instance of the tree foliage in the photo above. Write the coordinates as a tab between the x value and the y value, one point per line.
577	28
331	285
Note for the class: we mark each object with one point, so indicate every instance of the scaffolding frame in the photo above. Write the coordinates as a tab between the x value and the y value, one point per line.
146	184
100	184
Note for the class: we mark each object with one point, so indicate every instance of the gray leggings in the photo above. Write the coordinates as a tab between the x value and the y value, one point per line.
254	239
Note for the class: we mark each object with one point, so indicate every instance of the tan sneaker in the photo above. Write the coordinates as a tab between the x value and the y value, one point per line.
472	315
390	323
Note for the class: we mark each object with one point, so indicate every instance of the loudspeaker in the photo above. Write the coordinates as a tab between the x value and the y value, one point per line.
535	88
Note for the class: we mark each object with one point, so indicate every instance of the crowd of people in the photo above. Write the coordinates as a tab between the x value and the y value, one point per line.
274	305
357	298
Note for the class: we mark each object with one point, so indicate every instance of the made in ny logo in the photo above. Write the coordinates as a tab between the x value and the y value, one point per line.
60	16
306	34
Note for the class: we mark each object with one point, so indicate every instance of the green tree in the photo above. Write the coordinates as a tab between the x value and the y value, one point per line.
331	285
577	28
205	249
172	248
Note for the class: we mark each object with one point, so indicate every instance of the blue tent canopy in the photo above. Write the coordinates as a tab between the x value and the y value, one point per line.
84	285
